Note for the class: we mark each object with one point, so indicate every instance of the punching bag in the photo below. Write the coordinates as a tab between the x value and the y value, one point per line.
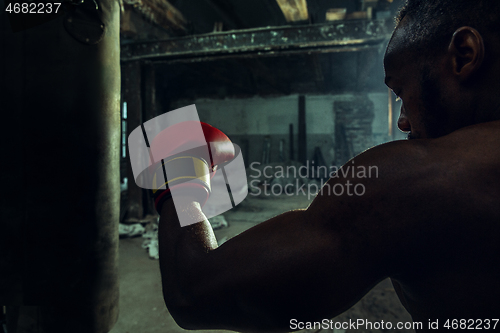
60	120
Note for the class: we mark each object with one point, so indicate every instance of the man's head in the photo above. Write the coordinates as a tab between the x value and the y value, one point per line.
443	61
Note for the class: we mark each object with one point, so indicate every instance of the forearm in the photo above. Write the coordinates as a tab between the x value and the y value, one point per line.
202	238
181	251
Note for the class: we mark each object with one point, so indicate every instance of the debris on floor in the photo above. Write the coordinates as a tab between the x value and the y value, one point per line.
218	222
151	240
130	230
150	233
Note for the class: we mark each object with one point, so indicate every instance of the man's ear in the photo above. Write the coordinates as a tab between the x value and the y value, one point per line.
467	52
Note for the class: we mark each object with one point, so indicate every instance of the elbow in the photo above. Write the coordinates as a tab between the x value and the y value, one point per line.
190	317
183	317
185	304
183	312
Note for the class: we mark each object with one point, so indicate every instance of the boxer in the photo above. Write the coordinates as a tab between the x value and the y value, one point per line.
430	221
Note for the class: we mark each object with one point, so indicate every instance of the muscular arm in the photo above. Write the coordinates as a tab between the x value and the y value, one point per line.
307	265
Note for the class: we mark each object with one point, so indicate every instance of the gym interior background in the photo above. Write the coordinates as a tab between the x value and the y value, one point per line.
292	82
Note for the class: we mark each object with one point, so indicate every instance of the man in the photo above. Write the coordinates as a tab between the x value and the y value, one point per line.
430	221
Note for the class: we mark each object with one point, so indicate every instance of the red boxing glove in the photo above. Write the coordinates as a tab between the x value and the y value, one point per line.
189	160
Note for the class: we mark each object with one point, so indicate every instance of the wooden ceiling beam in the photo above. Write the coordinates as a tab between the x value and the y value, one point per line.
159	12
331	37
294	10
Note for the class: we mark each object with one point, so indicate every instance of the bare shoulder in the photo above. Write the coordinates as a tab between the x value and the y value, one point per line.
383	173
407	196
430	167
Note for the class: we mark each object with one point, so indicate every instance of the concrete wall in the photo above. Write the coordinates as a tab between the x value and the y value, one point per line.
255	118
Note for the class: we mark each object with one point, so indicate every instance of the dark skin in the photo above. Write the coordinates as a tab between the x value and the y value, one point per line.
429	221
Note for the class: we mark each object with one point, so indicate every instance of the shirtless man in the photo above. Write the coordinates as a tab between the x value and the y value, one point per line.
430	221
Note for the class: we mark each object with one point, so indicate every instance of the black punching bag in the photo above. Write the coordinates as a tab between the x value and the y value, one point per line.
59	111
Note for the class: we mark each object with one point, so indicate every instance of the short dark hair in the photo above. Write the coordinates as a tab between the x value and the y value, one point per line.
435	21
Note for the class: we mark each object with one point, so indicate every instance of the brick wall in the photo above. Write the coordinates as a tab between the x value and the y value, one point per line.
353	127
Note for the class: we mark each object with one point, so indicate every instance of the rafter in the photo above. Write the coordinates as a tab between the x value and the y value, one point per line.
160	12
330	37
294	10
